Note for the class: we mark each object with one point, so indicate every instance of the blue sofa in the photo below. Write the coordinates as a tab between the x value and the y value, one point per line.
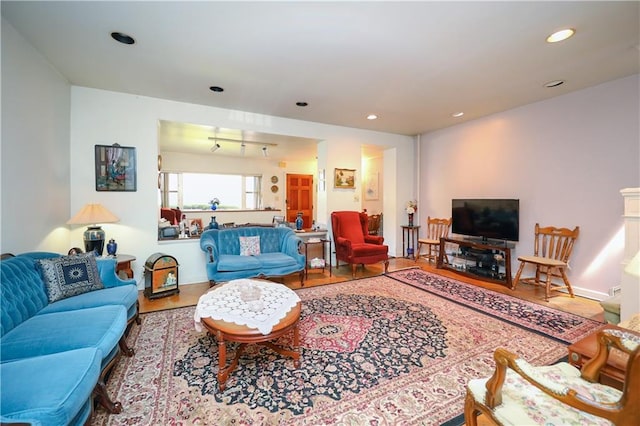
54	357
279	253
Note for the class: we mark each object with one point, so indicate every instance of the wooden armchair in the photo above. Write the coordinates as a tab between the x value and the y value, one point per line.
551	252
436	229
519	393
353	243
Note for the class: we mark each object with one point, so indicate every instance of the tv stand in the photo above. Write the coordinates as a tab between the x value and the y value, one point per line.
485	260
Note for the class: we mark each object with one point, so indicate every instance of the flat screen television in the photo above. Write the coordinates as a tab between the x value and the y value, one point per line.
496	219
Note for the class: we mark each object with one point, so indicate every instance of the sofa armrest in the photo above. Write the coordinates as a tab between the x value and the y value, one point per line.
292	246
208	245
108	275
344	243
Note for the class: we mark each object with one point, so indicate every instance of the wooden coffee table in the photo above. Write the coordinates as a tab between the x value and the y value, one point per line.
612	374
228	331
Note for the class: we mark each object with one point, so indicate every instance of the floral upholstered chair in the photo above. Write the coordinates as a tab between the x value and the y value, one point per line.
521	394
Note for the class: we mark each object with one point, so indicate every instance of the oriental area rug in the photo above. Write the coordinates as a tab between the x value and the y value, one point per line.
393	349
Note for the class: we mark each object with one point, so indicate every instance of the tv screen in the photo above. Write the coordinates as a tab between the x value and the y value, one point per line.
487	218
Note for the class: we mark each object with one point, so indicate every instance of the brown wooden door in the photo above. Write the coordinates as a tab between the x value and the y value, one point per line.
300	198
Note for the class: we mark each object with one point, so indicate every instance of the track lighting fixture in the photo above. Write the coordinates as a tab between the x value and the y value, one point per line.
242	148
215	147
264	151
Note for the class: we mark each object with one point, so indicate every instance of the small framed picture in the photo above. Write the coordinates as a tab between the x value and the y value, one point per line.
115	168
345	178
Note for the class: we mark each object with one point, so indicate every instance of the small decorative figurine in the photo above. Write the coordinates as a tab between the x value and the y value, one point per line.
112	247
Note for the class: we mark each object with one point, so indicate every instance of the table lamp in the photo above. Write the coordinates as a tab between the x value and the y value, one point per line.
92	215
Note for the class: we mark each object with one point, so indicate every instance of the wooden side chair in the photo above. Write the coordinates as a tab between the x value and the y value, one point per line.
436	229
519	393
551	252
374	224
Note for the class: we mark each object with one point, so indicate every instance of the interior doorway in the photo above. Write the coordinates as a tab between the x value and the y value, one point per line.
300	198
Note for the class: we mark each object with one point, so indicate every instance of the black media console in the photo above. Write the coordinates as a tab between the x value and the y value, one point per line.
485	260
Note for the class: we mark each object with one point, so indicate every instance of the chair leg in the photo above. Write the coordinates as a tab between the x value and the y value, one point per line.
417	256
514	283
547	287
470	412
353	270
566	281
386	266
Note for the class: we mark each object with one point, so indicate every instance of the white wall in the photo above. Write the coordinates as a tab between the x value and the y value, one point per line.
566	159
103	117
35	150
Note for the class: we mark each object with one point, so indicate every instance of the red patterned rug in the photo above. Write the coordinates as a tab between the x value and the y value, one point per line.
374	351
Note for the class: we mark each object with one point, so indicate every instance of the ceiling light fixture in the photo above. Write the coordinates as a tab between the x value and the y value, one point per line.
242	148
241	141
372	117
457	114
215	147
554	83
561	35
301	104
122	38
264	151
216	89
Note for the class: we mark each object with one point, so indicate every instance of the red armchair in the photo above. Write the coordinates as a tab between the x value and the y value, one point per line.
353	243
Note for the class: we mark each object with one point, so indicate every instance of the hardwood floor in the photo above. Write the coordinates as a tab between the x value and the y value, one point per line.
190	293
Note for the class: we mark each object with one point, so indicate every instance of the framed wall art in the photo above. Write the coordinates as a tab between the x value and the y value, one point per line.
115	168
371	187
345	178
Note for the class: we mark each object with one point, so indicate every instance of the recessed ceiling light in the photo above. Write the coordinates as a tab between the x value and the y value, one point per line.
372	117
554	83
216	89
561	35
122	38
457	114
302	104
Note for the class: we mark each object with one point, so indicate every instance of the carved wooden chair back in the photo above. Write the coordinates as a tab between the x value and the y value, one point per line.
374	223
555	243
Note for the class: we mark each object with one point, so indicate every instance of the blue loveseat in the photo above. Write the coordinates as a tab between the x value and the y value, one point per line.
276	252
55	355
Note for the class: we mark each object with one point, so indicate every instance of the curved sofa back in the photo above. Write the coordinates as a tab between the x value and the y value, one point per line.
227	241
23	292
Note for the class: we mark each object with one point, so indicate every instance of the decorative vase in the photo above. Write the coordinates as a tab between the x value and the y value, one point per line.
213	224
410	219
112	247
214	206
299	221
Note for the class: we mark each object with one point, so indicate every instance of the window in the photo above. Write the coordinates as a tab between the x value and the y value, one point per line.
194	191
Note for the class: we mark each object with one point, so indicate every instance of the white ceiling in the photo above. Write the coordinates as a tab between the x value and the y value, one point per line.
411	63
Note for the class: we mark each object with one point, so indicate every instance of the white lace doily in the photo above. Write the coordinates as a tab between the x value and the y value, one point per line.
225	303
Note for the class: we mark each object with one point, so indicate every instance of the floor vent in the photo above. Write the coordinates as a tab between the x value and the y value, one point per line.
614	291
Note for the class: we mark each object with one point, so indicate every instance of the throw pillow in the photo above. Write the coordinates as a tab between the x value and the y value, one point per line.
249	246
68	276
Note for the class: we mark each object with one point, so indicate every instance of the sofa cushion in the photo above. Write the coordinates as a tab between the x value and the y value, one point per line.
50	390
100	328
249	246
231	262
275	260
126	295
68	276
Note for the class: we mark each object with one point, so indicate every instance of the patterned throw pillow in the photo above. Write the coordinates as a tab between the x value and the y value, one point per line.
249	246
68	276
